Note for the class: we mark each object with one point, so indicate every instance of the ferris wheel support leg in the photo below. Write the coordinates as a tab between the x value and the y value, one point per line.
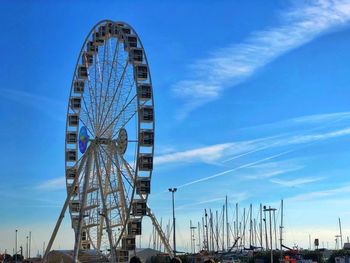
82	209
160	232
63	211
105	212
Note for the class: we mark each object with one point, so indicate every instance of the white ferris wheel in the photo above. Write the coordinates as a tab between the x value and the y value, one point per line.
109	143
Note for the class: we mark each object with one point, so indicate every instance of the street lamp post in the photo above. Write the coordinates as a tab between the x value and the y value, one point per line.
173	190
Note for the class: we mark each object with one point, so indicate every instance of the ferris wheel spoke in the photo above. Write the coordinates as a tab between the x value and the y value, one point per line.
127	120
107	169
128	167
116	165
111	103
104	206
88	116
124	105
118	116
119	216
122	193
115	55
109	182
91	95
101	75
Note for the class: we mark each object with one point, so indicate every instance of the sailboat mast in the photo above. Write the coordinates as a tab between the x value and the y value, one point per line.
227	226
223	228
281	229
250	226
261	235
341	235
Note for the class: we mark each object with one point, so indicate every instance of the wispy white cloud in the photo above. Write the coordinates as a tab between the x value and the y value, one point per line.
52	184
320	194
234	150
236	197
229	66
203	154
212	153
42	103
272	169
296	182
234	169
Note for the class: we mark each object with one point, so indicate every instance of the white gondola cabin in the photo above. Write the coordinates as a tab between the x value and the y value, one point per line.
128	243
87	58
70	188
134	227
144	91
104	32
136	55
139	207
146	137
143	185
75	103
141	72
72	137
97	38
126	30
130	41
91	48
145	162
71	173
75	221
122	255
146	113
75	206
85	245
79	86
82	72
71	155
73	120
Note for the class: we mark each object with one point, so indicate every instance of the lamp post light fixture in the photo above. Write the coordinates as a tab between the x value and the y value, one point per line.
173	190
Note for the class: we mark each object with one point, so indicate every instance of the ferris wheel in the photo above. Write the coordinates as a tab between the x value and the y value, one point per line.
109	146
109	140
109	143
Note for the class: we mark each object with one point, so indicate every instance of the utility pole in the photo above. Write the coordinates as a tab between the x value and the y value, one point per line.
173	190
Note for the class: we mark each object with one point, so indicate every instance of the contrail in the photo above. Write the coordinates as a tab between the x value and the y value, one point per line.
235	169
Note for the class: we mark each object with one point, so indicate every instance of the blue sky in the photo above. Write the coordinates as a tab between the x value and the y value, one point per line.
251	102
